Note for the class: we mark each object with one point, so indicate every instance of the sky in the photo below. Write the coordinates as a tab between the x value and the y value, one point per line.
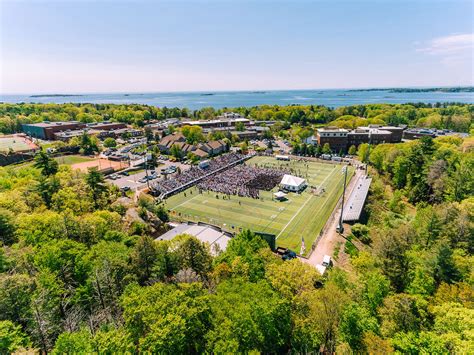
158	46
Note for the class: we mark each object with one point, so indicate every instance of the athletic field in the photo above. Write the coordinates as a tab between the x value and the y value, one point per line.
73	159
300	216
16	143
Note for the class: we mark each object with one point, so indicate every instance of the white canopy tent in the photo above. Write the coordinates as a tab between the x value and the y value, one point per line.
279	195
292	183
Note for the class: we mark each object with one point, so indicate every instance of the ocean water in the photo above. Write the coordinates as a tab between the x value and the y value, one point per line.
197	100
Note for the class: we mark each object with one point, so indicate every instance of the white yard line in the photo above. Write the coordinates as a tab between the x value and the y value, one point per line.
292	218
304	204
186	201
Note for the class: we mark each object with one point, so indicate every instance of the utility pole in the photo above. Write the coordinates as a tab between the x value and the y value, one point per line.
368	154
340	227
145	146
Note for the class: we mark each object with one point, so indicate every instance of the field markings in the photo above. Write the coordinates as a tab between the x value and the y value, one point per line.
304	204
296	214
184	202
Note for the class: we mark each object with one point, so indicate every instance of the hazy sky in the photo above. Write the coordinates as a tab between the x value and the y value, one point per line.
126	46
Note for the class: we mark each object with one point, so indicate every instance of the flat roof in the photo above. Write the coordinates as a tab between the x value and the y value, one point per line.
51	124
204	233
355	202
221	120
332	129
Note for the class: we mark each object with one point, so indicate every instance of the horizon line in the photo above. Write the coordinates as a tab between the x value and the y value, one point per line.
239	90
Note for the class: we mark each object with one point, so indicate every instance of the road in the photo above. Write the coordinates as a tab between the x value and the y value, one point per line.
330	238
282	146
132	180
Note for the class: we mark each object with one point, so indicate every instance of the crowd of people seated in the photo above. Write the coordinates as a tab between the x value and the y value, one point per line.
195	173
242	180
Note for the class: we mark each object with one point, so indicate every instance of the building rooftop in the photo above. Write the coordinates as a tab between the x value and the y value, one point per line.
215	121
355	203
332	129
214	236
46	124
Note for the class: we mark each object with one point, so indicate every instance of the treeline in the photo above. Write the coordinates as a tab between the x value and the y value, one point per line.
454	116
457	117
420	236
81	273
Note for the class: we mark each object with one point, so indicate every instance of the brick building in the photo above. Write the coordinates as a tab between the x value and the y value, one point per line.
46	130
335	137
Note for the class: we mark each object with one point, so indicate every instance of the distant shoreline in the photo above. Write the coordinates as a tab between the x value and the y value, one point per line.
410	90
444	89
55	95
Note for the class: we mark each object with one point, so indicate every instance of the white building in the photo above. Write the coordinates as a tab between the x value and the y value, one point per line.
214	236
292	183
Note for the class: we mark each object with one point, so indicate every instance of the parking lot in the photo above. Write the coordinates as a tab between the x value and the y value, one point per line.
133	179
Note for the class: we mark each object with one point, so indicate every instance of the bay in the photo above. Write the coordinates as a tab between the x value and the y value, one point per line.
221	99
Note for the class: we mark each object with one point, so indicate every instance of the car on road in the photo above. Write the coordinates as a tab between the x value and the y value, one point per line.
143	179
326	261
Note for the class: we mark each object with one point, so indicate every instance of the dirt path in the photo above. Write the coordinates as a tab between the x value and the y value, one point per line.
329	239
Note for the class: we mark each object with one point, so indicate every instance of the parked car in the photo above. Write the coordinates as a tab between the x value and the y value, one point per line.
125	188
286	254
143	180
326	261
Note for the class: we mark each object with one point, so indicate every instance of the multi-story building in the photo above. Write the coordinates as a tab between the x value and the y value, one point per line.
106	126
335	137
67	130
357	137
46	130
397	133
341	139
218	122
395	136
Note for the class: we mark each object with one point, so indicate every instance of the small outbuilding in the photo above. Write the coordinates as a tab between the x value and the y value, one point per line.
292	183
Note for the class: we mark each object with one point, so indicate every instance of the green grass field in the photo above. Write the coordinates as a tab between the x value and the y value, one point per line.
72	159
301	215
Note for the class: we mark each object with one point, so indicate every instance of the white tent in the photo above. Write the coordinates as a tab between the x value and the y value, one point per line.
279	195
292	183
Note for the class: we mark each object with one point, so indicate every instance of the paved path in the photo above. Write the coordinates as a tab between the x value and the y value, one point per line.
328	241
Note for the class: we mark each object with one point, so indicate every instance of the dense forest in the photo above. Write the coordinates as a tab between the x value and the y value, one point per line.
81	272
455	116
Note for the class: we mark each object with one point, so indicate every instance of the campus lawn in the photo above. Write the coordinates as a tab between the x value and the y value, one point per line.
72	159
301	215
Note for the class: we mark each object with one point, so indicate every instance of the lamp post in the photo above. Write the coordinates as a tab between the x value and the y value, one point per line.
340	227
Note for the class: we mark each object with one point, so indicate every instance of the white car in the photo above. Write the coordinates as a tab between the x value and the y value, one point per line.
326	261
321	269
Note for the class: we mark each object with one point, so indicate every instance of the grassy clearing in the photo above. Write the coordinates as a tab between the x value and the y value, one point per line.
72	159
302	215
